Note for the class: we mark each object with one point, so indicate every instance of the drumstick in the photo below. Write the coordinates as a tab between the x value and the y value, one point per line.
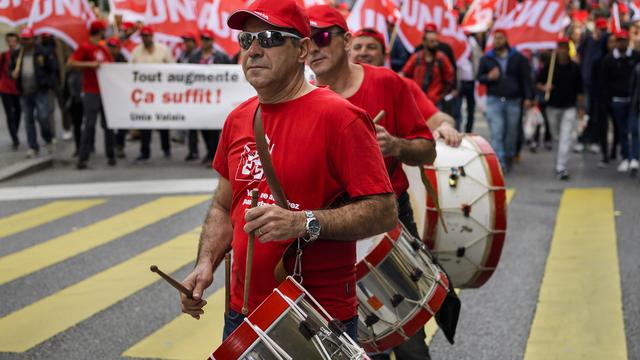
227	281
173	282
247	274
379	117
552	66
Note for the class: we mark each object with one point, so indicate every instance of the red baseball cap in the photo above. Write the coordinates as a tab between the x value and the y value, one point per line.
431	27
189	35
622	34
113	41
206	33
127	25
146	30
97	25
563	40
27	33
601	23
324	16
500	31
281	13
371	33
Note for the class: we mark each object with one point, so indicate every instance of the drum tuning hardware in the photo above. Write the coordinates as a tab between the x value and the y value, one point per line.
453	178
371	320
466	210
337	327
308	329
416	275
460	252
417	245
462	172
396	299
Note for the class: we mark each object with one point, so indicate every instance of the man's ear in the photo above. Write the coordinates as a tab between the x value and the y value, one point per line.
347	41
304	50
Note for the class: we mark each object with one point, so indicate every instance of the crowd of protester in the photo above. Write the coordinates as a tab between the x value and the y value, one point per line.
593	96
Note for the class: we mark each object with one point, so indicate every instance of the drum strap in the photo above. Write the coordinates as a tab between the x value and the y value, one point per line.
295	248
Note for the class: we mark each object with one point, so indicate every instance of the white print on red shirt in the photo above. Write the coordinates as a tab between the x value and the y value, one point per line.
98	55
250	167
266	199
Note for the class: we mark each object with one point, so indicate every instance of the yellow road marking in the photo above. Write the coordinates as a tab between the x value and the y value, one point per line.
35	323
432	327
579	312
44	214
37	257
184	337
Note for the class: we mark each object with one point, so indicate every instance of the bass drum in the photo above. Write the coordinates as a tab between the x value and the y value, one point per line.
472	198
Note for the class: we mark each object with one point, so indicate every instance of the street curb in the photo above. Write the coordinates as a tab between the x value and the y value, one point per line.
26	167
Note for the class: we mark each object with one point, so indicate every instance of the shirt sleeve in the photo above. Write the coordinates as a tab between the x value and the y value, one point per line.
220	160
357	161
411	122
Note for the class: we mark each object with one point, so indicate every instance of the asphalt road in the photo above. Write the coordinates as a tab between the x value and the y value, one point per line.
495	323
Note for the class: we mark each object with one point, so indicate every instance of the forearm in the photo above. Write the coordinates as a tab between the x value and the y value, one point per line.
416	152
80	65
216	235
438	119
359	219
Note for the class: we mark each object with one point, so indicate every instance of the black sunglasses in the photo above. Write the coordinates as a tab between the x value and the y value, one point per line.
323	38
266	39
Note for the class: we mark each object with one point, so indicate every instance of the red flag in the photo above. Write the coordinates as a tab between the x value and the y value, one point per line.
634	6
213	15
416	13
534	24
170	19
479	16
14	12
370	14
308	3
66	19
503	7
131	10
615	18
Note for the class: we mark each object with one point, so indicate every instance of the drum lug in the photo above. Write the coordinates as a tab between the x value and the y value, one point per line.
337	327
416	275
417	245
396	300
308	329
466	210
460	252
371	319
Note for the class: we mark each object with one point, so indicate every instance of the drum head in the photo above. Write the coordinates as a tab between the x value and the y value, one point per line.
365	246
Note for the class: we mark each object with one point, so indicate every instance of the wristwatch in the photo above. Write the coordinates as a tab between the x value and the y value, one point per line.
312	227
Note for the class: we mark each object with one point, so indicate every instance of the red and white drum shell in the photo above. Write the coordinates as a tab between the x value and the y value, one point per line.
275	327
398	288
471	191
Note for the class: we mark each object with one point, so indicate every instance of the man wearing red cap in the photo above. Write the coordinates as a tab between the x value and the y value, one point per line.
403	135
431	69
9	91
34	69
617	68
151	52
507	75
367	47
88	57
322	148
565	104
206	55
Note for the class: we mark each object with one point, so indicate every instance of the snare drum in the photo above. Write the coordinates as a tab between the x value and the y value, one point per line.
398	287
289	324
471	192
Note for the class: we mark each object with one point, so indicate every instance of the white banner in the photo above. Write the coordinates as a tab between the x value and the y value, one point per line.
171	96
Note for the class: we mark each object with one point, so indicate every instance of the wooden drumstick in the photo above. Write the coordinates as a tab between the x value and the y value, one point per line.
379	117
173	282
247	274
227	281
552	67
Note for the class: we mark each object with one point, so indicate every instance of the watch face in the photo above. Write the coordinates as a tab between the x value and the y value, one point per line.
314	227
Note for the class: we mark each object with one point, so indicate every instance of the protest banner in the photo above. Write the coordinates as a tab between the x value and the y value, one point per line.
14	12
171	96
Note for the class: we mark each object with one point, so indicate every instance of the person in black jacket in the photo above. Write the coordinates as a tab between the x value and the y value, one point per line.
206	55
617	68
34	69
507	75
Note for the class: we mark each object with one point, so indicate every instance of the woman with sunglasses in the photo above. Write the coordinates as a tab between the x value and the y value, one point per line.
402	134
322	148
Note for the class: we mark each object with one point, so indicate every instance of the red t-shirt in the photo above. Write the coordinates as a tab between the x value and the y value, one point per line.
382	89
7	83
442	75
91	52
322	147
426	106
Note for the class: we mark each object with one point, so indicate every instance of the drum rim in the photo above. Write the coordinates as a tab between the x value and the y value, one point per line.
379	253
